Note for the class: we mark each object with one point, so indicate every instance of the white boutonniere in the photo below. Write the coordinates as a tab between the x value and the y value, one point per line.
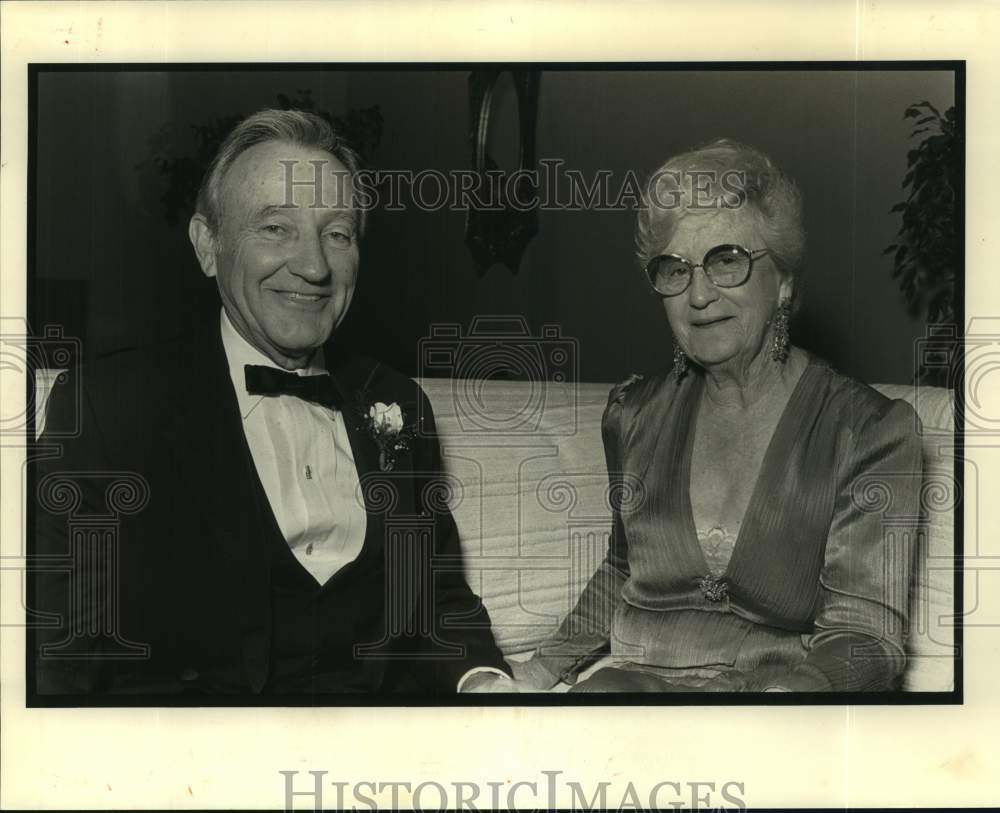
387	425
386	418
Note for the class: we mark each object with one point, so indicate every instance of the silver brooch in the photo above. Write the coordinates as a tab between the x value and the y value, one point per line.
714	588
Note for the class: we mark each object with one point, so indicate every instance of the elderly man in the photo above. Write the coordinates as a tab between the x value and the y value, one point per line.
282	531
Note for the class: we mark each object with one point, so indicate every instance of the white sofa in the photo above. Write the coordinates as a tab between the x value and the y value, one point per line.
531	506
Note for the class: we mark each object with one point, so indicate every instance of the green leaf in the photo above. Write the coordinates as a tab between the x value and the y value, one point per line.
927	245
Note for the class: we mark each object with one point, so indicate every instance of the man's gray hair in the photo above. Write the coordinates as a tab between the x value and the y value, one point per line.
298	127
738	175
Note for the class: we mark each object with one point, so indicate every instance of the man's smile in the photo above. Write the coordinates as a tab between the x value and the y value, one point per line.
299	298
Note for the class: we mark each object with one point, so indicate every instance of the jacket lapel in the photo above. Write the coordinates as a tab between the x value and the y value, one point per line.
390	504
350	384
206	434
359	385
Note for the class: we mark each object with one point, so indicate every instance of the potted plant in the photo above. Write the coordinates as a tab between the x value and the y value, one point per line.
926	253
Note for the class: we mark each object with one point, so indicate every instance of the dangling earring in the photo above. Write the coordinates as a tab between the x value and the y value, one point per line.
680	363
779	332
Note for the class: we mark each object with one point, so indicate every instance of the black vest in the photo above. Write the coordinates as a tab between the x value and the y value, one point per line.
315	628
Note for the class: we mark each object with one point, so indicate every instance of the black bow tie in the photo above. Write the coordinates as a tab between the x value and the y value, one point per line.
319	389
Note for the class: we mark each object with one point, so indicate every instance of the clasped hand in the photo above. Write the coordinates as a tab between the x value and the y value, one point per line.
528	677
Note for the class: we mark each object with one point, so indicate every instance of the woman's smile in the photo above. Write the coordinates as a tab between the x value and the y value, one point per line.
706	322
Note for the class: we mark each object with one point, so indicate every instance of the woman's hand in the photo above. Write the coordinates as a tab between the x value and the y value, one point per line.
531	676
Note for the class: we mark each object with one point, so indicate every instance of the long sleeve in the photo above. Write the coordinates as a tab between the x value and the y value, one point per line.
858	638
67	659
460	618
585	632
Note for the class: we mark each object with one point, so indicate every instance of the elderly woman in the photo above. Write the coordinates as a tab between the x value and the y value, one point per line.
749	559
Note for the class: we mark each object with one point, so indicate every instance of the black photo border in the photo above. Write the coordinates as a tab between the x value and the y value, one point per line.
901	698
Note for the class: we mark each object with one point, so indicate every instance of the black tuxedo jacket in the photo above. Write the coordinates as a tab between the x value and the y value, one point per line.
154	548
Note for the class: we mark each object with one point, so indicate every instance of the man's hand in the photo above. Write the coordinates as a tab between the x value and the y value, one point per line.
529	676
488	683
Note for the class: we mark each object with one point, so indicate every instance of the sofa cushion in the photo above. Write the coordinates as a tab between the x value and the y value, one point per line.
930	643
533	511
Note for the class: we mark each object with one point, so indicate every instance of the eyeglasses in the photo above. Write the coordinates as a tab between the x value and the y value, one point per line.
726	266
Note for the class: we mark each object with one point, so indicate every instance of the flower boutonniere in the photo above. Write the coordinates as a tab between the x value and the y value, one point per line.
387	426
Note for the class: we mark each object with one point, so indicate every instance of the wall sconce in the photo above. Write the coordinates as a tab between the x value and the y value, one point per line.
501	231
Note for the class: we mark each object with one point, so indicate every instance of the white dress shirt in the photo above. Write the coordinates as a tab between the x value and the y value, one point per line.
305	463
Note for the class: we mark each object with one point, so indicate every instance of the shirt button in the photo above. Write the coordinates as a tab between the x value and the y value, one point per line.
309	549
188	675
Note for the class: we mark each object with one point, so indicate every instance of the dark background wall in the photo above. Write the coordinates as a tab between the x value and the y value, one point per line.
110	268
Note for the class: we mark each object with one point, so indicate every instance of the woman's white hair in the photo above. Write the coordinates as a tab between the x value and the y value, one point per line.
724	174
299	127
